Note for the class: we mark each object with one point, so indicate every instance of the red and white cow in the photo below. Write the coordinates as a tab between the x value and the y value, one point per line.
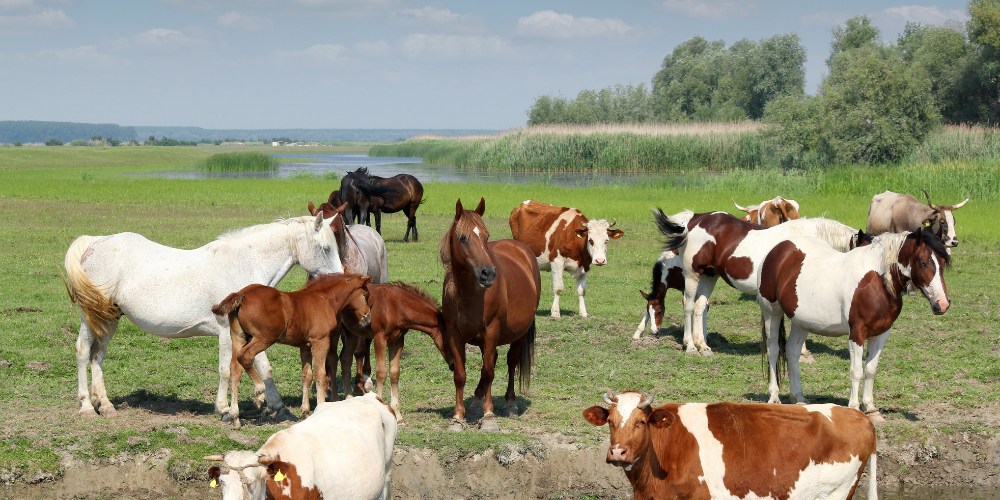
343	450
563	239
770	213
730	450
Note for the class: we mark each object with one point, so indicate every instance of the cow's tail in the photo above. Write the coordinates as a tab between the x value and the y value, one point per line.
230	304
527	359
781	366
873	475
98	309
674	227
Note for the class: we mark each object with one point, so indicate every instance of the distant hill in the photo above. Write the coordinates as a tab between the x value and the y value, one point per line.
299	134
34	131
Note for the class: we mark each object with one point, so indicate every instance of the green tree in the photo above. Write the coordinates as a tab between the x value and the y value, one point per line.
855	33
53	142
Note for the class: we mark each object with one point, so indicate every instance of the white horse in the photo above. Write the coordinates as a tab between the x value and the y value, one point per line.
170	292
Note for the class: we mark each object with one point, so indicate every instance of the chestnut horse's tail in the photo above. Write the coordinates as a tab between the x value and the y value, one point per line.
781	365
229	305
527	359
98	308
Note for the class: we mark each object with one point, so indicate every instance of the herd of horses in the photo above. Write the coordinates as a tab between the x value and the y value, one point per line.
823	276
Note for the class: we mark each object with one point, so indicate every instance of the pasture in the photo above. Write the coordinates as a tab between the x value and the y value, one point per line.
938	375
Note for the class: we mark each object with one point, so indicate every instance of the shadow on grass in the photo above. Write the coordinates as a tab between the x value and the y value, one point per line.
474	412
786	399
167	404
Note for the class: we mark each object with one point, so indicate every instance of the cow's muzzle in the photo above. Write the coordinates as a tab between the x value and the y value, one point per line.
600	262
618	456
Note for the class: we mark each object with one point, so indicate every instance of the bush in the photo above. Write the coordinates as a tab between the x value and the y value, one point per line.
53	142
80	142
17	144
240	162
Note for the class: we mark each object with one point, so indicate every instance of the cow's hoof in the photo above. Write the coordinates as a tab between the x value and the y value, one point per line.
489	424
88	411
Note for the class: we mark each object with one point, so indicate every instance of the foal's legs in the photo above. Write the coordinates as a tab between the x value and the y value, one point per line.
243	358
793	350
307	379
350	345
363	358
320	351
875	345
90	350
380	363
395	354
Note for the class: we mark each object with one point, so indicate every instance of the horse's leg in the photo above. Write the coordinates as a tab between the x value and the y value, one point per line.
99	395
395	354
700	319
856	348
793	349
642	323
346	378
875	345
363	358
460	376
86	345
320	350
307	379
557	284
772	317
484	391
513	360
225	367
237	340
581	289
380	363
271	394
245	358
691	282
378	220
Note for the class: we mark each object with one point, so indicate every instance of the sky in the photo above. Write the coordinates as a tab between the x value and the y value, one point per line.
245	64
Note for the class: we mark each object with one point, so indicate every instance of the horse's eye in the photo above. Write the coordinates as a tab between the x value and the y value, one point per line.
923	264
463	238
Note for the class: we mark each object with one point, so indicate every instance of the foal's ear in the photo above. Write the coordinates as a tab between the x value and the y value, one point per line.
458	209
481	209
312	209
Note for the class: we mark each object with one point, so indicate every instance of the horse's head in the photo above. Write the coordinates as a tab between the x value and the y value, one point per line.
315	246
465	244
355	312
924	257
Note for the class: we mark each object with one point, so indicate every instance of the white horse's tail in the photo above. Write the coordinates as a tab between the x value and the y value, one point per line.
98	308
872	475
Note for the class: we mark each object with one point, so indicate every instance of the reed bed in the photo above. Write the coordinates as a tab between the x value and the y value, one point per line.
958	142
240	161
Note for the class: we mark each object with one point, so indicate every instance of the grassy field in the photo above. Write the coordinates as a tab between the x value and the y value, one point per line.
940	370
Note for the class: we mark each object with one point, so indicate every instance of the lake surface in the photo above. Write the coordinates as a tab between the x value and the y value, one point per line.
427	172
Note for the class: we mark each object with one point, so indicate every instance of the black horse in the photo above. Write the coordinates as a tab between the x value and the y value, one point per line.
357	190
407	194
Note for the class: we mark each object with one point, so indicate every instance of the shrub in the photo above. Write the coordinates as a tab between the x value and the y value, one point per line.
53	142
240	162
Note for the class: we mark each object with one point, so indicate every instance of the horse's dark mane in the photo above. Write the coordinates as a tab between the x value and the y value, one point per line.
418	292
657	277
935	243
327	279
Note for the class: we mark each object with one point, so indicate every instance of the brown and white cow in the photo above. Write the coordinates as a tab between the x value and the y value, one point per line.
730	450
343	450
895	213
770	213
563	239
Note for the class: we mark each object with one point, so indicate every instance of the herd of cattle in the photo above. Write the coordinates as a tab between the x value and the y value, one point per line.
824	277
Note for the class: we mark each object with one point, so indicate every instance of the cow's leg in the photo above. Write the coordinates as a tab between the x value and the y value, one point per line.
793	348
875	345
459	376
557	284
99	395
700	319
513	360
346	378
395	355
690	294
320	350
581	289
856	348
305	355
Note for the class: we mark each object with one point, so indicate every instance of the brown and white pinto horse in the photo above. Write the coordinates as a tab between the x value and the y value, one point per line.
858	294
406	195
717	244
260	316
491	292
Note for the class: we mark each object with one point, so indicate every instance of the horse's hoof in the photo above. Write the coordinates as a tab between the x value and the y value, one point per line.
456	425
489	424
109	411
692	351
512	411
88	412
876	417
706	352
775	400
807	359
236	424
285	415
226	418
555	315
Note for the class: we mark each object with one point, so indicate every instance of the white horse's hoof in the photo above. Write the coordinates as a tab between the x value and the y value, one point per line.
692	351
88	412
876	417
555	314
706	352
775	400
108	411
807	359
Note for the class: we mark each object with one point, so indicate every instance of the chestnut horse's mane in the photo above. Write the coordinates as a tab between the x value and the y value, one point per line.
463	227
418	292
324	279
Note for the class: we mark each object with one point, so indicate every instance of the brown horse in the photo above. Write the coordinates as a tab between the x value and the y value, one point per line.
260	316
357	190
491	292
406	195
396	308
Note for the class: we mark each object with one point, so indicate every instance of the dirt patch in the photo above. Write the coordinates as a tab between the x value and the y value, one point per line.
20	310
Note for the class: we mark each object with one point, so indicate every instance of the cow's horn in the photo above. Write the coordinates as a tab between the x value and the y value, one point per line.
613	222
609	398
739	207
214	458
646	401
929	204
960	205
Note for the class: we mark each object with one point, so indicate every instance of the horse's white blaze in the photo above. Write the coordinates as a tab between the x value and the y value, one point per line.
935	290
653	327
476	230
626	403
833	480
825	409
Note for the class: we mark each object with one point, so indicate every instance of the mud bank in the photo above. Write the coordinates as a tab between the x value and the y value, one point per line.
934	466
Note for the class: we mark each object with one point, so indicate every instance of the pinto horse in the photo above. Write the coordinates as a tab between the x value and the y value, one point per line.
406	196
717	244
169	292
260	316
491	292
858	294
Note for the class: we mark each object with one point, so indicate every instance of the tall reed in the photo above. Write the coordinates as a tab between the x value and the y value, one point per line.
240	161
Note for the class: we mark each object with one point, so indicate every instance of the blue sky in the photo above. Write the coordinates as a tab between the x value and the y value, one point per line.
371	63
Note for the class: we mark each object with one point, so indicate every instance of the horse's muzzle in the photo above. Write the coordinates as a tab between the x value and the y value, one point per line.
486	276
367	320
938	310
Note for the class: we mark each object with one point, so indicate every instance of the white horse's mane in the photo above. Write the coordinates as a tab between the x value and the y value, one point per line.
889	244
837	234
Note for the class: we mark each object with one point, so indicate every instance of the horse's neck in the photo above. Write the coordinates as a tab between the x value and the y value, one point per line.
269	250
423	317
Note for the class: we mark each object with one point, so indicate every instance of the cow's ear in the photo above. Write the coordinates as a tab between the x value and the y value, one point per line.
581	233
596	415
277	471
615	233
458	209
661	418
779	212
481	208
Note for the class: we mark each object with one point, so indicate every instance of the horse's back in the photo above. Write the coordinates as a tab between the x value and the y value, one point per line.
375	255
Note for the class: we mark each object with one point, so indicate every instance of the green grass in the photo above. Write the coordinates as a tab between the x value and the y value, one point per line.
949	361
240	161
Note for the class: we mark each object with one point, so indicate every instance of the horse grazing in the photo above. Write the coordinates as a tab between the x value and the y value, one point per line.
717	244
169	292
357	190
260	316
397	308
491	292
858	293
405	196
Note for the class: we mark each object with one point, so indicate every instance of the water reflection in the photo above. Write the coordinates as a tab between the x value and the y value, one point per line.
426	172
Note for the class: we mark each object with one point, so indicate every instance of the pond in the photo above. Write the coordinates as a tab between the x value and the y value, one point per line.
426	172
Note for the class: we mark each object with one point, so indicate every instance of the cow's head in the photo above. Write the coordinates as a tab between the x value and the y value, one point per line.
629	416
942	221
240	476
776	211
598	232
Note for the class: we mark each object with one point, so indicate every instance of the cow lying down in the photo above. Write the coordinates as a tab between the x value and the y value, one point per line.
730	450
343	450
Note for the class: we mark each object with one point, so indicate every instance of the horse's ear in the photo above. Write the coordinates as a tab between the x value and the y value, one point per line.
366	280
481	208
319	221
645	295
596	415
312	208
458	209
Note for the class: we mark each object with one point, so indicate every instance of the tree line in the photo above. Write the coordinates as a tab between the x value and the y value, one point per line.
879	98
25	131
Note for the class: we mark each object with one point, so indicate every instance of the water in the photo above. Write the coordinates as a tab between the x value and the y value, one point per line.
426	172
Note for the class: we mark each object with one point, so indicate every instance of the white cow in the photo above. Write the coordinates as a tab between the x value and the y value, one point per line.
343	450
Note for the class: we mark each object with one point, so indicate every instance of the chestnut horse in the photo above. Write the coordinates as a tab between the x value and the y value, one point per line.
491	292
304	319
407	194
857	294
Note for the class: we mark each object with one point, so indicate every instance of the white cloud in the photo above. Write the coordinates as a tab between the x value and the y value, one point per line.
243	22
925	15
710	9
549	24
421	47
87	56
372	49
323	53
48	18
825	18
15	4
161	39
437	16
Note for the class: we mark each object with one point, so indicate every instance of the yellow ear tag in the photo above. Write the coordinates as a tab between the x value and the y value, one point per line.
279	477
578	235
927	223
213	484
